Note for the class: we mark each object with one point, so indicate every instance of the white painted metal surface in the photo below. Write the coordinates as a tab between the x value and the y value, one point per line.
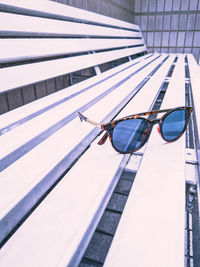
151	230
13	49
59	236
57	9
11	77
20	24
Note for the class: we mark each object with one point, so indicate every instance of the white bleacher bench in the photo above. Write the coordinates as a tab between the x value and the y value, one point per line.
55	180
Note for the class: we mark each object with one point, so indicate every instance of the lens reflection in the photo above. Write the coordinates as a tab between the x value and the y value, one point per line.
130	134
174	124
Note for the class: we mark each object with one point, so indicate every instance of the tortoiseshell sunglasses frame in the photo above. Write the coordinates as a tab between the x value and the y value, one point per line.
109	127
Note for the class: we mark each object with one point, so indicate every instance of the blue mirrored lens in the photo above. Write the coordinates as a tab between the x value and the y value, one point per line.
173	125
130	134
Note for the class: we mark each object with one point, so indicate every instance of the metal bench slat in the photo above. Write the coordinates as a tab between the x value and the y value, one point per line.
26	49
151	230
11	77
29	26
59	11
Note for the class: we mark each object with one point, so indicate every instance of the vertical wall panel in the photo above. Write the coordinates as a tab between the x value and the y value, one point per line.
159	22
59	83
157	40
196	39
151	21
150	37
172	39
40	89
179	50
160	5
176	25
145	37
3	103
176	5
137	6
137	20
144	23
164	50
15	98
183	22
51	86
188	50
191	22
166	23
168	5
144	6
175	19
152	5
193	5
122	10
185	5
28	93
195	52
188	39
171	50
181	39
165	39
197	26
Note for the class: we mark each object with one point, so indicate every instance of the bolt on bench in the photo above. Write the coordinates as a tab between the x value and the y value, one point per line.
56	182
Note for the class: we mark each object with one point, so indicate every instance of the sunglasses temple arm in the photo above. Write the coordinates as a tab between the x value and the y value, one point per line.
83	118
105	136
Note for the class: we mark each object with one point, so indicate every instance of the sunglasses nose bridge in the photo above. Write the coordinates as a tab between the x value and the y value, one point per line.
155	121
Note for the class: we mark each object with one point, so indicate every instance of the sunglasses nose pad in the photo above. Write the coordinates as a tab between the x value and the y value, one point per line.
145	134
158	128
103	139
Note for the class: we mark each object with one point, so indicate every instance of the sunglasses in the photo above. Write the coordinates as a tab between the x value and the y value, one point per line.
130	133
